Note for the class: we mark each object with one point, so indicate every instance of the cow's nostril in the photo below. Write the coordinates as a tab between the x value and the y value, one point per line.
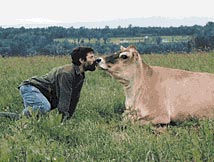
98	60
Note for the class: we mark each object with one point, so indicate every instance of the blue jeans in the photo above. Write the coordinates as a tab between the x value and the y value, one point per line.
33	98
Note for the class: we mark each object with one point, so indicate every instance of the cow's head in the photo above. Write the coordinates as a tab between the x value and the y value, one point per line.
123	64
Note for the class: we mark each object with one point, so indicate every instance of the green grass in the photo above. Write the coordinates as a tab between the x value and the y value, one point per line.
97	132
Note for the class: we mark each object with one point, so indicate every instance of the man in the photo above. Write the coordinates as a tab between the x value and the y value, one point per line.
60	88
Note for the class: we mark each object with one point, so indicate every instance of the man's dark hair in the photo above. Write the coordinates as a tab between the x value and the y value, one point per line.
80	52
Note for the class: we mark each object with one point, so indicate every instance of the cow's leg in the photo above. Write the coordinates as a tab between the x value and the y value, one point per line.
165	119
162	119
162	115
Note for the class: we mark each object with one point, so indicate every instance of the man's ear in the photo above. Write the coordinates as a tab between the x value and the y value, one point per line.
81	60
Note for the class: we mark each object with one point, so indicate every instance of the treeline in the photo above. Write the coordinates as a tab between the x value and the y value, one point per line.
33	41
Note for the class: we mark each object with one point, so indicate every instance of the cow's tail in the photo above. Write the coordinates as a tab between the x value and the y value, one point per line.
10	115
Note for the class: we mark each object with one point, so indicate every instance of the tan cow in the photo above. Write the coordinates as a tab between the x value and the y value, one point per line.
160	95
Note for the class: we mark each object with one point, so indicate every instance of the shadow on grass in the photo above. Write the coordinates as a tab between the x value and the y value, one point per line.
110	115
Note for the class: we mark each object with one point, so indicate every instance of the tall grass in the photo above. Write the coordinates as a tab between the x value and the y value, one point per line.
97	132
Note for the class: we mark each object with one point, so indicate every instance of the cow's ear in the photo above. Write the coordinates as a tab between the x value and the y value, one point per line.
122	48
133	48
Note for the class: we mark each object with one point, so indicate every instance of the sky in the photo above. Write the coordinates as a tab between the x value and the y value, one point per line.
71	11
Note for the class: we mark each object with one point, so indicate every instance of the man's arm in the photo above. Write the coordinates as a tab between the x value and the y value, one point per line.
74	100
65	89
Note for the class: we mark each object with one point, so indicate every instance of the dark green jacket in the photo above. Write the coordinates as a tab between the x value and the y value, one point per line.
61	86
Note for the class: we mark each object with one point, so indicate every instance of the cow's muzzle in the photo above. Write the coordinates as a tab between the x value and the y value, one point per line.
98	60
101	63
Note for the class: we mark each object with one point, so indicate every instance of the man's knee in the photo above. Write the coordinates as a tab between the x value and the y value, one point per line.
46	107
33	98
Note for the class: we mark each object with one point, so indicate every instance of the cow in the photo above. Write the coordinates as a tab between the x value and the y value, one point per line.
159	95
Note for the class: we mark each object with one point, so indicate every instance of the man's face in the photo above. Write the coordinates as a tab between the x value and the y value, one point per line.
90	63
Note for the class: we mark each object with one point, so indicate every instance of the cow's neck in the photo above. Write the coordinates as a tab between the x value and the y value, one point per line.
138	86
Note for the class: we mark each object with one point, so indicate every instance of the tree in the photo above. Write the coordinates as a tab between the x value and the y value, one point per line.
158	40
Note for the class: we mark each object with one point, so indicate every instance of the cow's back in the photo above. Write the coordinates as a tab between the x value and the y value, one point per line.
187	94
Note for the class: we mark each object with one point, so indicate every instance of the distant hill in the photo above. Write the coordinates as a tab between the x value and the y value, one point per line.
141	22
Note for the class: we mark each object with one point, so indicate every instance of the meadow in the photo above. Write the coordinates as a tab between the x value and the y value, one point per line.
97	131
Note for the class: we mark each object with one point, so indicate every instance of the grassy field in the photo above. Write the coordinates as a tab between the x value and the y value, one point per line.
97	132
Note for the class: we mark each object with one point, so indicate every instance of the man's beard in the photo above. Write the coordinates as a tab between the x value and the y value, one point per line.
88	67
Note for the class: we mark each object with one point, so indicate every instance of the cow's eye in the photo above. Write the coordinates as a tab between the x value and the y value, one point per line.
124	56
